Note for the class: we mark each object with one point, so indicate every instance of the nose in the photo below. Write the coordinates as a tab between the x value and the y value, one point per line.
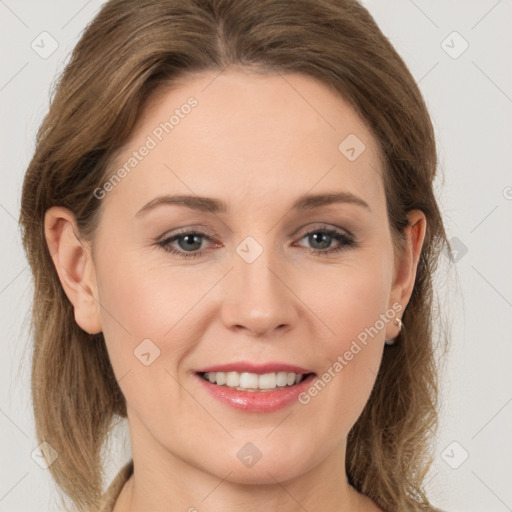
258	298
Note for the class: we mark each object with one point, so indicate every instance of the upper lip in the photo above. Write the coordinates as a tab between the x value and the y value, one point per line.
260	369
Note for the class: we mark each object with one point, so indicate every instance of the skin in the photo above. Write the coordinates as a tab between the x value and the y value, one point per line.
257	142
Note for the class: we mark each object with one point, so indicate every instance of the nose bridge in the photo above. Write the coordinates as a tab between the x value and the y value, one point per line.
257	298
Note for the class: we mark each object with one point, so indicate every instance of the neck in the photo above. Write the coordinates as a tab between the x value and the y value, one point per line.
163	481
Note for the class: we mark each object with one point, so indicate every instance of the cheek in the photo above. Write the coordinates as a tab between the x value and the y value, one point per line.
144	315
353	307
351	302
138	310
144	302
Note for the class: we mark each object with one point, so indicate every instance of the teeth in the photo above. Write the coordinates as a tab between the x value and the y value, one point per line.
268	381
249	380
220	378
282	379
232	379
253	381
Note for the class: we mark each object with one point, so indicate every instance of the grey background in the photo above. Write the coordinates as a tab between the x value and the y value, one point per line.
470	100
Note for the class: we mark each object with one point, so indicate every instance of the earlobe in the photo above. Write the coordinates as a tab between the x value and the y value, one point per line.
73	263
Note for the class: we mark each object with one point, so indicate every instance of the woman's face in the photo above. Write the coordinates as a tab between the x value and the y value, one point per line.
273	280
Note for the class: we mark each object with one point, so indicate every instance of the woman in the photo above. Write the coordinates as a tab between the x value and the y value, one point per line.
232	229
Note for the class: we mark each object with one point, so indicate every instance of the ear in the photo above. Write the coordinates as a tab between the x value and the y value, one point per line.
406	267
73	262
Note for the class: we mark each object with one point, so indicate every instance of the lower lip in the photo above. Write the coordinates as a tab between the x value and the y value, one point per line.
257	401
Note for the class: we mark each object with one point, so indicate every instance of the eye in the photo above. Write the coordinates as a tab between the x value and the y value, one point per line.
323	237
189	242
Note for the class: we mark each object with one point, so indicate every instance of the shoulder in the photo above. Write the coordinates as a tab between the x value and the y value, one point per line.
110	496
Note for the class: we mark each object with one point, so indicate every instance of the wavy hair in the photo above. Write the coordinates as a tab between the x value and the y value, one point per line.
129	52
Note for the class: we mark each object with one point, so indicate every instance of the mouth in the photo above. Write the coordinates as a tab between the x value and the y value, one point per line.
254	382
253	387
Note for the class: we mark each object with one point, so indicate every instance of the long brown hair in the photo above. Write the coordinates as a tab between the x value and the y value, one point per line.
130	51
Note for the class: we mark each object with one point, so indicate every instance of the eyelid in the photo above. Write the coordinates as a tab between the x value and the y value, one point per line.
187	230
322	226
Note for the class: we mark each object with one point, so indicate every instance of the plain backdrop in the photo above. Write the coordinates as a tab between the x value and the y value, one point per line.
459	52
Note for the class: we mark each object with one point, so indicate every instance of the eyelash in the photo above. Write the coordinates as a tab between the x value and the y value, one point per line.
346	242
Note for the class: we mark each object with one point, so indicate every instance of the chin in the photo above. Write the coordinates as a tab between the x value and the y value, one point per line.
262	473
258	466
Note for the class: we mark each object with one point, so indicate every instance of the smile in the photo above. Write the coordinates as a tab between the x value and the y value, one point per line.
245	381
255	392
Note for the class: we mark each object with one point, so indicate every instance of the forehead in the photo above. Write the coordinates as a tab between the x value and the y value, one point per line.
240	135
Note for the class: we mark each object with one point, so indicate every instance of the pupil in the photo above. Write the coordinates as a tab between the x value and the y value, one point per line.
326	239
191	240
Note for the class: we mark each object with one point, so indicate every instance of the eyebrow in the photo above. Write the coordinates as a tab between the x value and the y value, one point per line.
208	204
